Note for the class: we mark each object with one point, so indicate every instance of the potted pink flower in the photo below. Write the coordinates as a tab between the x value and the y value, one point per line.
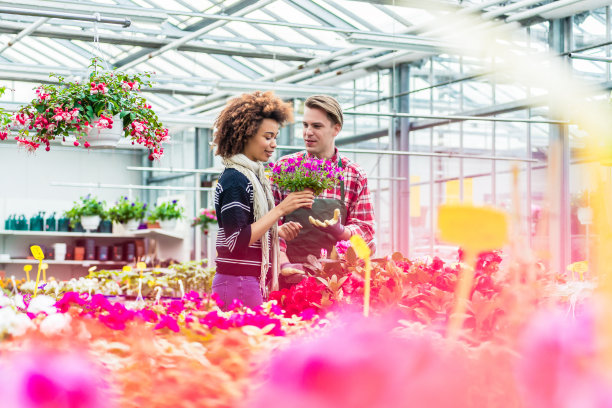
97	112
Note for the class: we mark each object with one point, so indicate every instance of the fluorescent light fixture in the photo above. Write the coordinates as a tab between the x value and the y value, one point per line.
397	42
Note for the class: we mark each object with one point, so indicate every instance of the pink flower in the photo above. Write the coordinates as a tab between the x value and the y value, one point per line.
560	365
27	144
362	365
168	322
105	122
53	379
130	86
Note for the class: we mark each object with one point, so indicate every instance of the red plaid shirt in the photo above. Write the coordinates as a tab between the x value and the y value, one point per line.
360	212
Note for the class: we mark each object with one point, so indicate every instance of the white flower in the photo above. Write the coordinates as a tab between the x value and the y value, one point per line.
18	301
5	300
55	323
42	303
14	323
28	286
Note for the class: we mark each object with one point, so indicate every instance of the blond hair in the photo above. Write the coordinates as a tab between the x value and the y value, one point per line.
329	105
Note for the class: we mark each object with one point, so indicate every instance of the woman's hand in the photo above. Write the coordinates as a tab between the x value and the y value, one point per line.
296	200
289	230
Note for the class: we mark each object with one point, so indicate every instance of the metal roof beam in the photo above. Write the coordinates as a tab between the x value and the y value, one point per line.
156	43
63	15
320	14
24	33
177	44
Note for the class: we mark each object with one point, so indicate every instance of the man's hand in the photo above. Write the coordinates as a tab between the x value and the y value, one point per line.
332	226
289	230
292	268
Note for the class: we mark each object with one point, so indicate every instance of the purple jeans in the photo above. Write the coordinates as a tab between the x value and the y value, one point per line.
244	288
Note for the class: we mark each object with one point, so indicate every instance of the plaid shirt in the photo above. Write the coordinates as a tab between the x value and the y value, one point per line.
360	212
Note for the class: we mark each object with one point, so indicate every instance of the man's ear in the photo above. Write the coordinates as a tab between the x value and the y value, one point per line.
337	129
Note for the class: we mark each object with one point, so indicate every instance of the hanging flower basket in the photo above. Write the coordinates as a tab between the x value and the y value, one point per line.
109	100
106	137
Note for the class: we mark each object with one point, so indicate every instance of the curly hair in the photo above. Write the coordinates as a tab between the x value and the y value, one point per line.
242	116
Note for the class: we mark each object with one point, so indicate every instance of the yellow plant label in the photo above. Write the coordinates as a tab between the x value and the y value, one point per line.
141	265
37	252
44	266
27	268
361	248
475	229
127	268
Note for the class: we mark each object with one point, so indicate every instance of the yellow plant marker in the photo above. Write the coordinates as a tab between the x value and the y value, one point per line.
475	230
44	268
39	256
363	251
27	269
141	266
127	268
581	268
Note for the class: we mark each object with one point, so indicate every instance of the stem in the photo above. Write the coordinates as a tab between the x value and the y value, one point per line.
462	292
37	278
366	289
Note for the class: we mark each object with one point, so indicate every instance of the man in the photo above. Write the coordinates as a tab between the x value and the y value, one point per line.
322	122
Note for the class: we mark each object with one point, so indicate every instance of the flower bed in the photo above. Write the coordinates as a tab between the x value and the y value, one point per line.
306	347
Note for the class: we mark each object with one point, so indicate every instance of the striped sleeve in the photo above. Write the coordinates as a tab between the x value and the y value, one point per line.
232	203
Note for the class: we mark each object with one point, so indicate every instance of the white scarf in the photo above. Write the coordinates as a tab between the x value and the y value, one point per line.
263	202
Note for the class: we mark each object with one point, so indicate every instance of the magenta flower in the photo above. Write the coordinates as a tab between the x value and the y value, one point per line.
168	322
53	379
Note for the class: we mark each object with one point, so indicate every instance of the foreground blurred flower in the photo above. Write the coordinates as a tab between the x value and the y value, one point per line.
52	379
361	365
560	365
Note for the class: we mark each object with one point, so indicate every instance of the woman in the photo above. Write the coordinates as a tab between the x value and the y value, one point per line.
247	242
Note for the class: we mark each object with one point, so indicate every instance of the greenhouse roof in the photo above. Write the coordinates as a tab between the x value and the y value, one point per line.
204	51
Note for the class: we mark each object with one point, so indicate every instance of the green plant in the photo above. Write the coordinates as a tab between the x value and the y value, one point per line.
87	206
78	107
168	210
125	210
5	119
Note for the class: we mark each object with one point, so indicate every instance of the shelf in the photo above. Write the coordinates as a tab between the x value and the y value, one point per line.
64	234
54	262
132	234
158	232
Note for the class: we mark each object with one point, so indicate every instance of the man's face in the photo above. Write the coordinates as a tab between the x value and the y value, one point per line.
319	133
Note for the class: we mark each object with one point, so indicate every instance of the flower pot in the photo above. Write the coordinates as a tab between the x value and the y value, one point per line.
168	224
132	225
90	222
106	226
105	138
585	215
60	251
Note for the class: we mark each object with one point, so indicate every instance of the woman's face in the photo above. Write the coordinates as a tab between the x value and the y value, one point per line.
261	146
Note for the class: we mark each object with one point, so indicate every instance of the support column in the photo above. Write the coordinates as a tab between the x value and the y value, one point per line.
559	163
400	193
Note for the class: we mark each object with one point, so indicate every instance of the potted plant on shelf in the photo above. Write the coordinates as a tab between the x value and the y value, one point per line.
205	218
97	112
129	213
167	213
89	212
